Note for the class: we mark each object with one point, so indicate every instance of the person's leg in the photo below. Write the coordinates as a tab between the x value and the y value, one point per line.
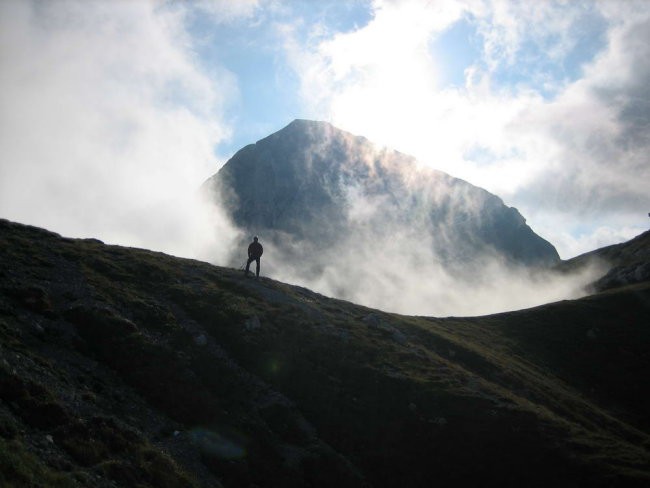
248	265
257	268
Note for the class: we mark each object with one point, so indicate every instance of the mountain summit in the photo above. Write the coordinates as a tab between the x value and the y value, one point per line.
318	189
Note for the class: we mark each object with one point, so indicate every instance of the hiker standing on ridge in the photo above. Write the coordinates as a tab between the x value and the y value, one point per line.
255	251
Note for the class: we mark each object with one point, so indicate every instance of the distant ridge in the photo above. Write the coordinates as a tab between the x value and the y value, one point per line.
626	263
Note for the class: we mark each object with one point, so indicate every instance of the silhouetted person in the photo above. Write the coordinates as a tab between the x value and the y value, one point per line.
255	251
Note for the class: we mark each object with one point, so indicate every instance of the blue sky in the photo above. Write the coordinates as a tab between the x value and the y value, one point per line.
251	49
124	107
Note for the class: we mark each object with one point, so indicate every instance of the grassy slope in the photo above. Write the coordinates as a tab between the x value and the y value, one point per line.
152	370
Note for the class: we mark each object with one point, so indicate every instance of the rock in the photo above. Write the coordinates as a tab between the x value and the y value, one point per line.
49	439
201	340
473	384
344	335
253	323
33	297
372	320
399	337
99	320
38	328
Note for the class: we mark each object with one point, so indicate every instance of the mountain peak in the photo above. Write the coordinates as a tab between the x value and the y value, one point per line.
323	196
308	123
310	178
313	129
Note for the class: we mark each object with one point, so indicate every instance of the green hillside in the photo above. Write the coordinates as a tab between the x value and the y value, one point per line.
126	367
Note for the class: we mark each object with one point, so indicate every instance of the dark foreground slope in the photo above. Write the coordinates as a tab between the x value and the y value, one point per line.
124	367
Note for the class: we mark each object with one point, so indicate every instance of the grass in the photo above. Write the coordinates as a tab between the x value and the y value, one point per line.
147	467
313	391
33	402
21	469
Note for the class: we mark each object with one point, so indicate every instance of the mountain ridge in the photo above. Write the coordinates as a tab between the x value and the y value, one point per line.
625	263
314	183
124	366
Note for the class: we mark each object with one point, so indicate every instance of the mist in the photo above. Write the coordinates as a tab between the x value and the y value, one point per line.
402	274
376	227
109	126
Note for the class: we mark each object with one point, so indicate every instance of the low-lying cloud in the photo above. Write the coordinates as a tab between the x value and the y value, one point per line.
400	272
370	225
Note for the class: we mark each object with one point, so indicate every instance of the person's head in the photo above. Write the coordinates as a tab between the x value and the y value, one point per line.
255	238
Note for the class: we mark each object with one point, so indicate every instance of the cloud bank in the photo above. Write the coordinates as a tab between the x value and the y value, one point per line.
400	272
108	125
551	113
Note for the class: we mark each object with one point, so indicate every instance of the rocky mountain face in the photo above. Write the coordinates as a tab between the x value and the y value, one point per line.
126	367
314	189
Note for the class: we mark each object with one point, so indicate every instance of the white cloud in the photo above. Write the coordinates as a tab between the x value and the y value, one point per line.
509	27
599	128
108	126
224	11
397	270
520	127
591	239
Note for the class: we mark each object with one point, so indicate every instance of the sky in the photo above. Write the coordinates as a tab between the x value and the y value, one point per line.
112	113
